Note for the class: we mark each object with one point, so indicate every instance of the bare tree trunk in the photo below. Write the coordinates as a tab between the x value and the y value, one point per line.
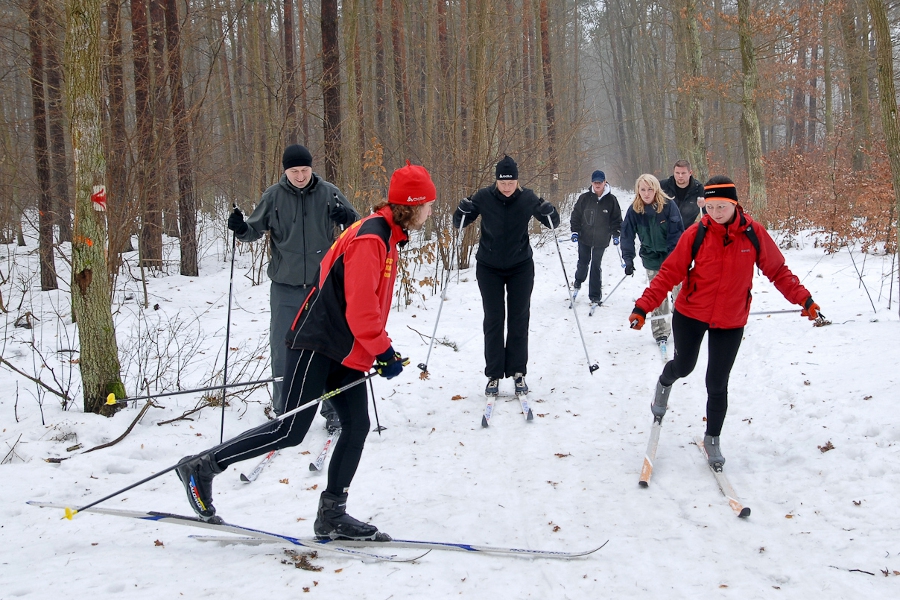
41	158
887	97
549	100
826	68
290	88
187	205
59	165
749	115
331	91
121	206
401	86
380	77
857	65
90	283
151	221
161	184
301	41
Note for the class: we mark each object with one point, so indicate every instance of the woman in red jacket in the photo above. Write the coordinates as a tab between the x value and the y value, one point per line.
715	298
336	337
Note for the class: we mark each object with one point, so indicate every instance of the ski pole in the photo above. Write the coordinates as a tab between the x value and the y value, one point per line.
378	426
112	399
621	260
71	513
228	328
424	366
591	366
605	300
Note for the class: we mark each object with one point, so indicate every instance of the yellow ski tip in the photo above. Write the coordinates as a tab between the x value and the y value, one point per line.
70	513
111	399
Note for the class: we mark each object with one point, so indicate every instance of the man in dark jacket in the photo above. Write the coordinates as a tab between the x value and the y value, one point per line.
595	219
685	190
300	212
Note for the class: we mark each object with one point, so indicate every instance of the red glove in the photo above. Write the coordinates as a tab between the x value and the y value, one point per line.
637	318
810	309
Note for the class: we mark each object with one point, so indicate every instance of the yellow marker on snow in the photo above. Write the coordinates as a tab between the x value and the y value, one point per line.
111	399
71	513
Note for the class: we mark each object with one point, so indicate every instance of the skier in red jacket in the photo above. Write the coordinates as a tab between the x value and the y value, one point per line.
715	298
336	337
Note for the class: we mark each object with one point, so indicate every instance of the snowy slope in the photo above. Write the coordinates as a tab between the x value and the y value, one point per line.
566	480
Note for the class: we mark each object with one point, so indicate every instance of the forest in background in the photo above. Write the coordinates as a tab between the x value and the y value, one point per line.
192	104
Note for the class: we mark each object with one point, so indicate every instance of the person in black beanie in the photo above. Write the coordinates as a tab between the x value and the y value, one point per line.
300	212
505	269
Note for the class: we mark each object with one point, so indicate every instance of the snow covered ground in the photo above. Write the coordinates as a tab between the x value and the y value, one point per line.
823	523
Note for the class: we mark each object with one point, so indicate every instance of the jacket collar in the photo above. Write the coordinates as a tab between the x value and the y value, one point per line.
310	187
399	236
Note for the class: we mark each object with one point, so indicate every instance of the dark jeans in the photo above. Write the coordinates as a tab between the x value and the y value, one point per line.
593	256
284	302
311	374
723	347
503	289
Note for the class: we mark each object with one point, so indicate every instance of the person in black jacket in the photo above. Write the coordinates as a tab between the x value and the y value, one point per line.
685	190
505	268
595	218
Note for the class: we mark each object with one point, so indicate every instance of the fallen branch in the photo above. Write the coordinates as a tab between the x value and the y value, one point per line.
127	431
12	367
442	341
12	452
190	412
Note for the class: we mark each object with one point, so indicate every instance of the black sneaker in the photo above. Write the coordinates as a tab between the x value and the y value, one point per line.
492	388
333	522
521	386
196	474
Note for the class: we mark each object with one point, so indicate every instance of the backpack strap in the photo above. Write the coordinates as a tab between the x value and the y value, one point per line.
701	232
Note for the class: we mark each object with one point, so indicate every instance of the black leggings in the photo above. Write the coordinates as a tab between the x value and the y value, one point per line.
723	349
309	375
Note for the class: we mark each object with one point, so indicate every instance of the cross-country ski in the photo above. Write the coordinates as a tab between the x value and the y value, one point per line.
259	467
317	464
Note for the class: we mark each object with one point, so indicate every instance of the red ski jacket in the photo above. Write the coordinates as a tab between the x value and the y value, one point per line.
345	314
716	289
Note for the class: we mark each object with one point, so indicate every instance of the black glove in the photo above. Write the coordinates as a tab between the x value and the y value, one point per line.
389	363
629	268
463	213
340	215
546	212
236	221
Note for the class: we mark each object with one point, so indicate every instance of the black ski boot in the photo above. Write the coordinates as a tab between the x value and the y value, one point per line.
333	522
196	474
660	401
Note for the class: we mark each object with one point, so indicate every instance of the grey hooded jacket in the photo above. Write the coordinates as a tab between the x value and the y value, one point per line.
300	225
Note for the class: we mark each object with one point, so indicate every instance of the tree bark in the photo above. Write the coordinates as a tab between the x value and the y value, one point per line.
749	114
41	154
857	65
99	362
151	220
291	131
887	97
59	164
331	92
549	99
187	205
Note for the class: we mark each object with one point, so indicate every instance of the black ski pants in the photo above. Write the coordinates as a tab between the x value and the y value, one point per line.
309	375
723	348
502	290
590	262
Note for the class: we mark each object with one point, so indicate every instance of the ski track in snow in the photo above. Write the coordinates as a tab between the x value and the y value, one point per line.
567	480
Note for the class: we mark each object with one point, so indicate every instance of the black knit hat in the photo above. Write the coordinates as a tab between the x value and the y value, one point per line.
296	156
507	168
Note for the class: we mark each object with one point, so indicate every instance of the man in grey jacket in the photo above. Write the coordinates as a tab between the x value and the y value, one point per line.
300	212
